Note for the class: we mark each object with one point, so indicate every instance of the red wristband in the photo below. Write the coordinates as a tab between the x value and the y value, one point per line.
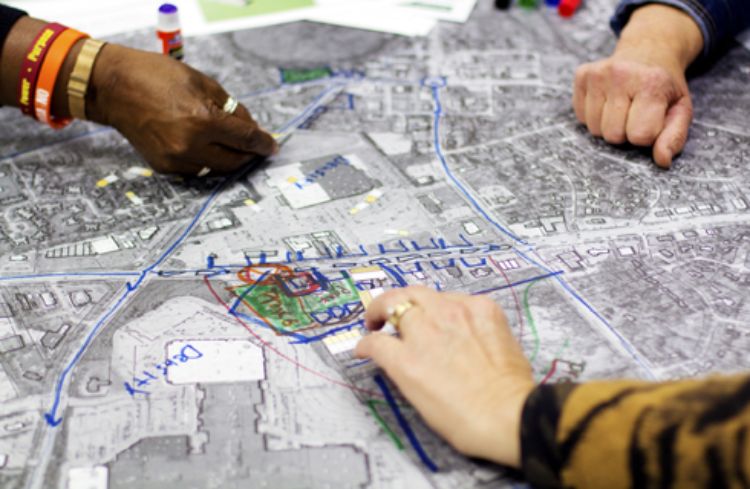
32	65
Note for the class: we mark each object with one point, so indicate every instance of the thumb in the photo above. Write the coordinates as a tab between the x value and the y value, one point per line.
674	136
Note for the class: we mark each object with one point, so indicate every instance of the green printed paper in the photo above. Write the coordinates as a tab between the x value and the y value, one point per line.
215	11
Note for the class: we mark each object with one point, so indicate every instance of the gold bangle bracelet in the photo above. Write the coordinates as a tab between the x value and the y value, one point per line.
79	80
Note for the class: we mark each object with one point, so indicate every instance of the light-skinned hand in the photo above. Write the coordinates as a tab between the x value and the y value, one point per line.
458	364
640	94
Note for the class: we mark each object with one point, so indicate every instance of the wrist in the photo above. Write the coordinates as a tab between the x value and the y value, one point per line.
661	35
499	429
11	58
60	108
102	83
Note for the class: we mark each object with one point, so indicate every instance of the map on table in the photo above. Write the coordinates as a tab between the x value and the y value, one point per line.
158	332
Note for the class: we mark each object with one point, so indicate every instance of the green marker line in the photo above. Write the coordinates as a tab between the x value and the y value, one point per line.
530	320
393	436
432	6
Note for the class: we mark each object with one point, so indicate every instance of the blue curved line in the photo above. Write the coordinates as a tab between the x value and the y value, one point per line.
413	440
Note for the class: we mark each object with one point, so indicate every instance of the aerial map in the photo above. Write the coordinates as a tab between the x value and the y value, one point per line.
197	333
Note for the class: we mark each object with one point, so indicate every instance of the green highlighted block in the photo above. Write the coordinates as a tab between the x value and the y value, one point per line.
292	76
528	3
287	312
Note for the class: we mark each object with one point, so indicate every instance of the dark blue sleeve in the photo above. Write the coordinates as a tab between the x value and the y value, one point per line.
8	17
720	21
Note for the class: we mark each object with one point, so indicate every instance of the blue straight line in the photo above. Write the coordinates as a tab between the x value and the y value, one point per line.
404	424
245	292
438	149
70	274
622	340
628	347
520	282
359	364
260	323
300	119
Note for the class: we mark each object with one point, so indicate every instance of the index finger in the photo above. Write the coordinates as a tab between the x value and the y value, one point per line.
240	132
381	308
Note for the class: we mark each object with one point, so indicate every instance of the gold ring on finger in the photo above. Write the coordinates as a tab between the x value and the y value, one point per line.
397	313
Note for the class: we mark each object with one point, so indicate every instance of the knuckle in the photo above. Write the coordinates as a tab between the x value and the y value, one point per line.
655	81
642	136
178	148
581	72
593	128
597	77
620	72
614	136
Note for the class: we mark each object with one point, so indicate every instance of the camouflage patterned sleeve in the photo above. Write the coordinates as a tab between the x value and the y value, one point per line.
623	434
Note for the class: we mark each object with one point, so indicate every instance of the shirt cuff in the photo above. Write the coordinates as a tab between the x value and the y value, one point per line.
541	458
8	18
693	8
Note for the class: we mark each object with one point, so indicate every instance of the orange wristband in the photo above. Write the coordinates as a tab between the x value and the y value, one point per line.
50	70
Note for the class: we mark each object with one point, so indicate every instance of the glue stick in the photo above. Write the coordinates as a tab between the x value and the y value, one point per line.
168	30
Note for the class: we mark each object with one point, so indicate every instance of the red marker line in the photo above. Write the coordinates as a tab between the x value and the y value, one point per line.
283	355
519	314
551	372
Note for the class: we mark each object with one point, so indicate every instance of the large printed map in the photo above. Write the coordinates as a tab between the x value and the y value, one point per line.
163	332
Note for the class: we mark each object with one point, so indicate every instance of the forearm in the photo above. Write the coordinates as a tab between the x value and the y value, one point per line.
637	434
667	36
15	48
719	21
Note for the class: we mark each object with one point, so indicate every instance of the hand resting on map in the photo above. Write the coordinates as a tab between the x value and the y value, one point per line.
457	362
640	94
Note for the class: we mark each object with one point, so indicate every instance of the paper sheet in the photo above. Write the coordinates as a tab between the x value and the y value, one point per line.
199	17
366	16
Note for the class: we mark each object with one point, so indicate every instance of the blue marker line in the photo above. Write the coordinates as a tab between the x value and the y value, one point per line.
359	364
70	274
262	324
520	282
397	276
313	339
404	424
300	119
51	416
245	292
439	151
621	339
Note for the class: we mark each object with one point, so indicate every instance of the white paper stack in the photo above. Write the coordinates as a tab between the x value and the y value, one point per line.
108	17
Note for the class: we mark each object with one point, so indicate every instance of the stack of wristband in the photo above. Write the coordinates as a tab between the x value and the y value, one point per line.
41	68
